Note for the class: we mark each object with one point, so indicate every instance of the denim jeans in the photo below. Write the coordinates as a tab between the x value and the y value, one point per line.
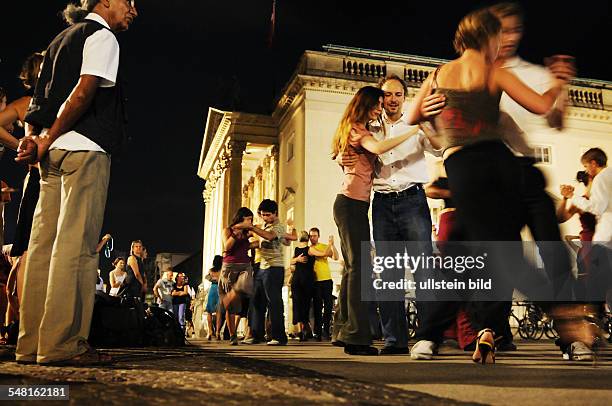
268	295
179	313
404	218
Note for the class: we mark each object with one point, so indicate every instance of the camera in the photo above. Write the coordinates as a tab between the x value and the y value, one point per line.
582	177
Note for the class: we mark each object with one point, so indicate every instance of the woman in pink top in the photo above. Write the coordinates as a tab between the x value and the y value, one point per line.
351	325
236	262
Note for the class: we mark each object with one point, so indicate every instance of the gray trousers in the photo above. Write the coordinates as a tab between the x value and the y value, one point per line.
351	321
61	267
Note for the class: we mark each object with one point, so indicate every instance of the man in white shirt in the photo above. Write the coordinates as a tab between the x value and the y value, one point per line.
78	90
599	202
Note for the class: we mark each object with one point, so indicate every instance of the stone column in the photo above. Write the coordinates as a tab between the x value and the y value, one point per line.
266	178
274	175
251	188
234	179
259	186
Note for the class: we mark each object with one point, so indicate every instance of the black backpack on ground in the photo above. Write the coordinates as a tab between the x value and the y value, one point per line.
162	329
117	321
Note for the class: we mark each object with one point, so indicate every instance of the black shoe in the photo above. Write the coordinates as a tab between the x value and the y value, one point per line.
317	337
394	351
360	350
338	343
506	346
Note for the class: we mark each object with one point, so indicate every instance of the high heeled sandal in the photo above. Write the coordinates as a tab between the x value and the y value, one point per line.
484	352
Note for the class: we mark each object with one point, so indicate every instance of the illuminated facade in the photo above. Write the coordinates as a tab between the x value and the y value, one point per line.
286	156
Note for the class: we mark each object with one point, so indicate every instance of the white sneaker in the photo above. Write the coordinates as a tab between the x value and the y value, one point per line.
275	342
579	351
423	349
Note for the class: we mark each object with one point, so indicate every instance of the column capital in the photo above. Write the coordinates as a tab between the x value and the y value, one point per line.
236	148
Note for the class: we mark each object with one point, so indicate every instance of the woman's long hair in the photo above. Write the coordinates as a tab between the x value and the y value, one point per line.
357	111
30	69
475	30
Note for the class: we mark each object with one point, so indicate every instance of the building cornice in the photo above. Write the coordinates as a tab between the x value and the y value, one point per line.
344	70
217	126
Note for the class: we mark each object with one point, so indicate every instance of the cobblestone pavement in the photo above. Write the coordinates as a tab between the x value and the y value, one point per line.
215	373
205	376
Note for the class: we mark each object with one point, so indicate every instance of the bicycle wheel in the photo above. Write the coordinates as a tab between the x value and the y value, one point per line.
524	328
550	331
538	331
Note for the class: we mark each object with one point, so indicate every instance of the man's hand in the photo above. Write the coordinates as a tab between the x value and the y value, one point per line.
348	159
301	259
432	105
567	191
27	151
245	225
331	240
563	67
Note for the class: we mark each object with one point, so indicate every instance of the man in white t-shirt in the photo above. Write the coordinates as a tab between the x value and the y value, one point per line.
74	121
163	290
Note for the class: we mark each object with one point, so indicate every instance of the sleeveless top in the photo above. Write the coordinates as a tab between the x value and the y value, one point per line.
469	116
304	272
120	279
178	299
238	254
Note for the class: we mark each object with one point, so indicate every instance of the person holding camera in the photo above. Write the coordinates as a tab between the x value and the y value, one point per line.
599	202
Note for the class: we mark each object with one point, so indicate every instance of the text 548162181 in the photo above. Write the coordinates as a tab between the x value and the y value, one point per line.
34	392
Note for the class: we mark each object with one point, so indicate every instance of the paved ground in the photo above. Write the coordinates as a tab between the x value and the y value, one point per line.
215	373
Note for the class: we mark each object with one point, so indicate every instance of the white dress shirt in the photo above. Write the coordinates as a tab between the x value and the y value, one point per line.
101	59
599	204
404	165
539	79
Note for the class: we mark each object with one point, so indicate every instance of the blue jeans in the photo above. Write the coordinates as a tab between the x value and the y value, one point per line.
404	218
268	295
179	313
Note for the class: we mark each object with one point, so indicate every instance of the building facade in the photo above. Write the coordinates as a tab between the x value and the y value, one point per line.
286	156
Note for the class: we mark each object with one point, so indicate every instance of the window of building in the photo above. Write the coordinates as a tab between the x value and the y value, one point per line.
543	154
290	146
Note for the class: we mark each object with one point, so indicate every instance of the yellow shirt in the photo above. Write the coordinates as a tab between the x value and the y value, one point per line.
321	267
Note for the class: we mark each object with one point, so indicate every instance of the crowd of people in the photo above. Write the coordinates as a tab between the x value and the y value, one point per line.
472	112
248	279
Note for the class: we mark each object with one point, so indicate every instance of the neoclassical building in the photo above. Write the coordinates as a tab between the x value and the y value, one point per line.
286	156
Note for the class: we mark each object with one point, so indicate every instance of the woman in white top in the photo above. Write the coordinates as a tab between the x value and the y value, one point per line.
117	275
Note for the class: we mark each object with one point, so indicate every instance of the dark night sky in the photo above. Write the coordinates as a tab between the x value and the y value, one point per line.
183	56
